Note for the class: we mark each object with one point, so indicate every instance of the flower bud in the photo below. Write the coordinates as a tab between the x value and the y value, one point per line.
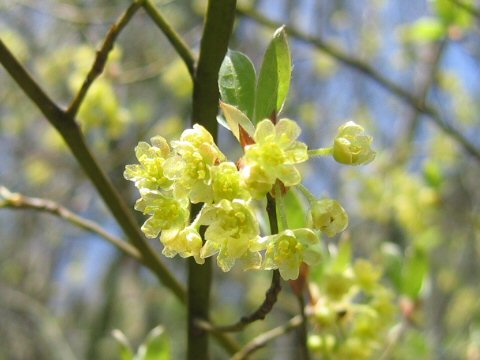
351	146
329	217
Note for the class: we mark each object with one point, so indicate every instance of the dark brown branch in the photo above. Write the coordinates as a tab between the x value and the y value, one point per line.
263	339
263	310
19	201
427	109
102	57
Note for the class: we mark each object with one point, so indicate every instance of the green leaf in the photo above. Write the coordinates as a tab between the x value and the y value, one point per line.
393	263
236	118
236	82
155	346
413	274
274	78
295	210
126	352
452	14
343	258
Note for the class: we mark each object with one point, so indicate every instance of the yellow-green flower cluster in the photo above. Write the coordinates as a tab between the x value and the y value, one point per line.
169	179
273	156
352	312
193	170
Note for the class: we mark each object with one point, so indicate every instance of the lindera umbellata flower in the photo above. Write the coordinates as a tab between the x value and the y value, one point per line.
193	169
184	242
287	250
190	168
329	216
351	146
149	173
232	231
226	183
166	211
351	309
273	156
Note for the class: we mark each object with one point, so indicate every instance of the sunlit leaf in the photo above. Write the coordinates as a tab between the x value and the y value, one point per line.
274	78
236	118
413	274
155	346
126	352
295	210
237	82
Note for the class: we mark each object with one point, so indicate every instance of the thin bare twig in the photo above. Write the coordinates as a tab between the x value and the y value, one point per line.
172	36
19	201
263	339
102	57
259	314
423	107
303	329
428	71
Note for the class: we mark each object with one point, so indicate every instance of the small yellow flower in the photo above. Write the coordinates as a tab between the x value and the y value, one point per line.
190	168
232	229
149	174
351	146
329	217
273	156
166	212
226	183
287	250
185	242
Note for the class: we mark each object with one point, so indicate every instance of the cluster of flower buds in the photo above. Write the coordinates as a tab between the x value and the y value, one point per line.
193	170
352	311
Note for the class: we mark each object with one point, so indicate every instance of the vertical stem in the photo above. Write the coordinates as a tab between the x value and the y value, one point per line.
303	330
217	29
199	285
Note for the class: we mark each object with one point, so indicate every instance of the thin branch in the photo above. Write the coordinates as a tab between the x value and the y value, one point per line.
74	139
303	329
262	311
367	70
428	71
263	339
175	40
102	56
19	201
